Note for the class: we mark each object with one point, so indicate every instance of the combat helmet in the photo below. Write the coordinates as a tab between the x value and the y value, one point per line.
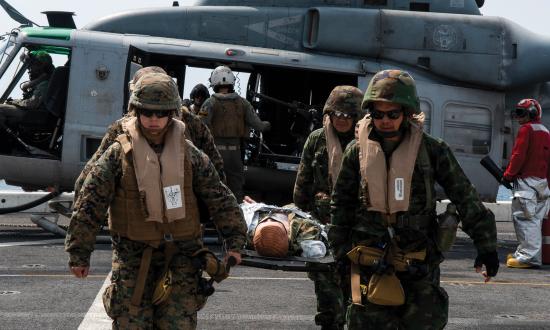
199	90
143	71
40	56
394	86
156	91
346	99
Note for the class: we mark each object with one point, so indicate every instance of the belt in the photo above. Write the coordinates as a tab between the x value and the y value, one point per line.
228	147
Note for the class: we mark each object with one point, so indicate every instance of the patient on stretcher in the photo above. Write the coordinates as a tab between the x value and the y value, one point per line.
283	231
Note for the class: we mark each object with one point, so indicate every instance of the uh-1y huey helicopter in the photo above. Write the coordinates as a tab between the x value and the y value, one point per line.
470	71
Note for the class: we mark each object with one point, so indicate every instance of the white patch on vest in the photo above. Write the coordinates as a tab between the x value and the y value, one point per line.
172	197
399	189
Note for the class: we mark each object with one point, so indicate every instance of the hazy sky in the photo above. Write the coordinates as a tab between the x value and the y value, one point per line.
531	14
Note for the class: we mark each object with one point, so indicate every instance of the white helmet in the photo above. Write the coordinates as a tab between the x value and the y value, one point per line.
222	75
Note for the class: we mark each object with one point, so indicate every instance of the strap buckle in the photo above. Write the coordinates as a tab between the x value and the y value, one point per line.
168	237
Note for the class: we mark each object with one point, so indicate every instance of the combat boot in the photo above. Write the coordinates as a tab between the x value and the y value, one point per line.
515	263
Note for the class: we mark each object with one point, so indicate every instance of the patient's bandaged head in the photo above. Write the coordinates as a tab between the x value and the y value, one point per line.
271	236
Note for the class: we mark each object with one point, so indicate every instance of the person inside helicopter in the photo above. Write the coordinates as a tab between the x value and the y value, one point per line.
40	69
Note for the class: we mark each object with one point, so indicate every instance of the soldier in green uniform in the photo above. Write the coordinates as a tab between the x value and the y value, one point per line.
383	211
153	214
34	91
319	167
196	131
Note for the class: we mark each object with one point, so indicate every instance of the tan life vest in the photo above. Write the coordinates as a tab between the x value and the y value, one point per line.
334	150
129	212
388	188
227	119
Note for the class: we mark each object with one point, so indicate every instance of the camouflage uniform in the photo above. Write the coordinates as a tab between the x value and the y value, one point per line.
196	131
312	192
97	195
426	303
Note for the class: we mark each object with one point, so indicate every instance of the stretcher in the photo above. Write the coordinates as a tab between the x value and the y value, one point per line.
289	264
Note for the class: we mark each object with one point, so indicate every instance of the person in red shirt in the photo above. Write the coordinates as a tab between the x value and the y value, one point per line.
528	170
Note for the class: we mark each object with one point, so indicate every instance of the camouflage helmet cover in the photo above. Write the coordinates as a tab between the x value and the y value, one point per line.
394	86
143	71
346	99
156	91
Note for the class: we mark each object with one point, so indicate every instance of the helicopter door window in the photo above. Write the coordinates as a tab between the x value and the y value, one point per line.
426	108
467	129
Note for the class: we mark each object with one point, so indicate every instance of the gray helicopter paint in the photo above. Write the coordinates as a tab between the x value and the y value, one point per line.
482	51
468	7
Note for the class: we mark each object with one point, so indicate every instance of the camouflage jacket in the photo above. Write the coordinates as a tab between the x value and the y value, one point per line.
312	189
197	132
353	224
103	179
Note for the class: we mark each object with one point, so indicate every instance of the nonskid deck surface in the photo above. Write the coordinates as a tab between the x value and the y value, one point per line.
37	291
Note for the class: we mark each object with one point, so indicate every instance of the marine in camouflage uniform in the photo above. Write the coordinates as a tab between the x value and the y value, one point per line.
356	221
316	175
196	131
112	180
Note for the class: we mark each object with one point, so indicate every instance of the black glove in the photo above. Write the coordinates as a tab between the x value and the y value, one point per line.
490	260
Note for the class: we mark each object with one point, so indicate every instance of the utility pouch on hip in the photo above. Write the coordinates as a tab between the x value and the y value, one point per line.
163	288
385	290
365	256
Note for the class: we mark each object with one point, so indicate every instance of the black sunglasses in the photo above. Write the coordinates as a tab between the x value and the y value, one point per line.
342	115
393	114
158	113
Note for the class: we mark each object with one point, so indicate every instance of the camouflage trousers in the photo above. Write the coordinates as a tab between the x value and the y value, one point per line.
426	307
331	299
178	312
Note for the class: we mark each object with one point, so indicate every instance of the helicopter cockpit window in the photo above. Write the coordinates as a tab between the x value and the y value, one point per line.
467	128
33	98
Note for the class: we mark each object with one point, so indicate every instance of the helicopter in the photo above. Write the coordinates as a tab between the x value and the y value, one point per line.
470	71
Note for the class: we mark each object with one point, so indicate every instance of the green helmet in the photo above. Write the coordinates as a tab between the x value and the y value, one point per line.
156	91
394	86
346	99
40	56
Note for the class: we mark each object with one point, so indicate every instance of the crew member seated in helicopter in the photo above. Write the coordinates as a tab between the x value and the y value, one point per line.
34	90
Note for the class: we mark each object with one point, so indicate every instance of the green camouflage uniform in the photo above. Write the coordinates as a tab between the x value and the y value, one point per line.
196	131
90	209
312	192
312	188
426	303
